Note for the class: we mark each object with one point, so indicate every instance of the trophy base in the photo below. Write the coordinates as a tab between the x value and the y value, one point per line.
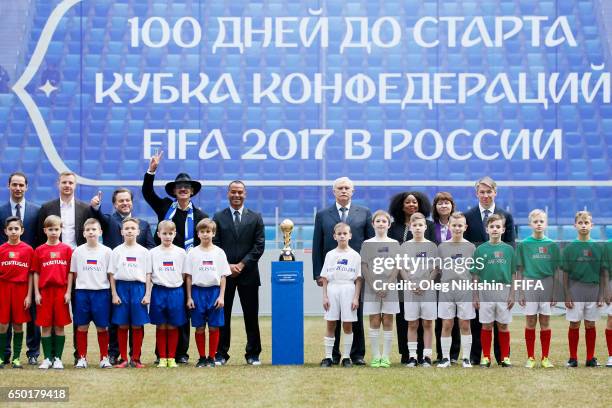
286	256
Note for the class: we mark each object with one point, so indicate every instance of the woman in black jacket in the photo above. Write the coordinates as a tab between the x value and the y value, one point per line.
402	206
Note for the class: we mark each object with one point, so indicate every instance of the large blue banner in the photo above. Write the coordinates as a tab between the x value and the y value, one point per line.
289	95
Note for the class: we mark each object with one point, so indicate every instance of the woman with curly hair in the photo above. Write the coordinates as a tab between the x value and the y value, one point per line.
402	206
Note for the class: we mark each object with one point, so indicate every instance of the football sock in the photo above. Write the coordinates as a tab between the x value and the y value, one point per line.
17	343
329	346
347	343
58	345
412	349
137	336
122	338
46	346
504	344
173	335
545	336
446	346
427	353
200	338
608	341
485	341
530	336
103	343
3	337
573	336
81	338
387	340
161	337
374	334
466	345
591	337
213	342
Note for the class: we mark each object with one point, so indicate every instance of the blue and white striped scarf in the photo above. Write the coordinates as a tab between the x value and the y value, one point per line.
188	223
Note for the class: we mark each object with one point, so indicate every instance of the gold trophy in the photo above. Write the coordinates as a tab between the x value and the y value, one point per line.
287	253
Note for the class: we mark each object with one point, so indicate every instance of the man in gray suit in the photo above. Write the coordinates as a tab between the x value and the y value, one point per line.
360	220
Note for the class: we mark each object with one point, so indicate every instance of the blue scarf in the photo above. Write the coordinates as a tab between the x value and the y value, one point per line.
188	223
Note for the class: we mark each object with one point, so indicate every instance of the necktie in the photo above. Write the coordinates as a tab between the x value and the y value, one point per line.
343	210
18	210
486	217
236	218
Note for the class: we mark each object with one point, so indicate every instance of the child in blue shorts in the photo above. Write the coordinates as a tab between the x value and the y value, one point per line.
91	264
167	309
205	270
131	290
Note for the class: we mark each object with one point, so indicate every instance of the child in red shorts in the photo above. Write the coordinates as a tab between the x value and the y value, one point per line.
15	287
51	266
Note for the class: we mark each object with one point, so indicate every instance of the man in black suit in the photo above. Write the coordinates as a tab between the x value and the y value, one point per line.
476	218
28	212
185	215
73	213
240	233
111	235
360	220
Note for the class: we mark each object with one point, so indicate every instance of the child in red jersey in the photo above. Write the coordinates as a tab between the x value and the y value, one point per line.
15	286
51	266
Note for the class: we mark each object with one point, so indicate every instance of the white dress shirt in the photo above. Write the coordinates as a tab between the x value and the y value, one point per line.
67	210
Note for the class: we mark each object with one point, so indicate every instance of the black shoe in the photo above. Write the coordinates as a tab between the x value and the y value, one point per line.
32	360
1	365
346	362
405	359
210	362
113	360
326	363
254	361
359	361
202	362
335	360
156	362
182	360
592	363
412	362
221	361
426	362
571	363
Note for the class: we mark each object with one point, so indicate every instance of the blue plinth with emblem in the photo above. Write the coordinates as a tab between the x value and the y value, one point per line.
287	313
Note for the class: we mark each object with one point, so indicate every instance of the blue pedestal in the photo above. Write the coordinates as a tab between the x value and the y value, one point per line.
287	313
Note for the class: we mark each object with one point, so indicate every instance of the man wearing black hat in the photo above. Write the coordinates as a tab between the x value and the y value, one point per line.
184	214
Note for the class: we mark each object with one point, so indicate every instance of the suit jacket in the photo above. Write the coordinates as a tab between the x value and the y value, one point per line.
476	233
30	222
111	230
161	206
396	231
245	243
82	211
360	220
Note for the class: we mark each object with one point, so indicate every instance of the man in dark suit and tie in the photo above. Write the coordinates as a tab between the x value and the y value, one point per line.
240	233
360	220
73	213
476	218
111	236
28	212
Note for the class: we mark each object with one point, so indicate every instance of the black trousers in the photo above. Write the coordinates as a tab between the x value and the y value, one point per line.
358	346
455	336
249	300
476	351
402	336
32	337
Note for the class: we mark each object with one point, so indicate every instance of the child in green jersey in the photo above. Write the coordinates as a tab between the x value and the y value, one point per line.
583	279
495	298
537	259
